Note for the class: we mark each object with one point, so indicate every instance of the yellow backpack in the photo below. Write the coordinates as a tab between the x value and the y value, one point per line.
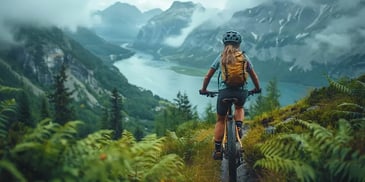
235	74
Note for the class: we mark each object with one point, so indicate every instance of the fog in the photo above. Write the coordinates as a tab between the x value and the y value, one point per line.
340	35
67	14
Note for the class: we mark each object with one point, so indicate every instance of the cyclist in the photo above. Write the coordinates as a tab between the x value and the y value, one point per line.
231	41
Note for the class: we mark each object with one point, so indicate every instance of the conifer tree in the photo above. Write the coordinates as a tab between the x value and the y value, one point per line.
273	95
116	115
44	108
267	103
138	133
174	115
23	109
184	106
61	98
210	115
105	118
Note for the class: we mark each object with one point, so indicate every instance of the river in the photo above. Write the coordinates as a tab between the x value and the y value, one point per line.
141	70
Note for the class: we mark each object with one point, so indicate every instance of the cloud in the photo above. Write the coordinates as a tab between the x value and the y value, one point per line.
64	14
341	35
220	14
199	16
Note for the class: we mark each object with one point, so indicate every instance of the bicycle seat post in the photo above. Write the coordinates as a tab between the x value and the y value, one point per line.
230	101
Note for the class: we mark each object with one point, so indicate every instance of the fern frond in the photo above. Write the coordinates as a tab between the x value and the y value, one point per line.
168	168
6	89
358	123
92	144
11	168
353	105
303	171
127	138
5	106
339	86
350	166
361	83
66	132
26	147
42	132
276	147
343	135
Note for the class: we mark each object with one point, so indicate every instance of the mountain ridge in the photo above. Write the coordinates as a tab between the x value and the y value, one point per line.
303	37
46	49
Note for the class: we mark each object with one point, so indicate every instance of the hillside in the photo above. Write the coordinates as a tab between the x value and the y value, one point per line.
98	46
319	138
35	62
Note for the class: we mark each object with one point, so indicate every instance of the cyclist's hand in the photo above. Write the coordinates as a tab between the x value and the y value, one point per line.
203	92
255	91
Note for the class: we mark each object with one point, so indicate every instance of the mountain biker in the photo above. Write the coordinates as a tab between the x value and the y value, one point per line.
231	41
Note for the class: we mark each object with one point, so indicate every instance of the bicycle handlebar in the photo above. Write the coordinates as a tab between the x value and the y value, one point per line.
215	93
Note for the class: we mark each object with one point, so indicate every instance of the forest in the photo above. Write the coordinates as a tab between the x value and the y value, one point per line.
319	138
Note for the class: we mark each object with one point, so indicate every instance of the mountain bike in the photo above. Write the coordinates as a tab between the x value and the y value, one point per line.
232	145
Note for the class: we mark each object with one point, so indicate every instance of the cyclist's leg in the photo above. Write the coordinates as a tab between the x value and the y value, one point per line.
219	126
218	137
239	111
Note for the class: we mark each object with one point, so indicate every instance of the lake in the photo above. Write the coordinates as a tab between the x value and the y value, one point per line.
143	71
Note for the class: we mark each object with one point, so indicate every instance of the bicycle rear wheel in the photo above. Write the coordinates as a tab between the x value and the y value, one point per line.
231	151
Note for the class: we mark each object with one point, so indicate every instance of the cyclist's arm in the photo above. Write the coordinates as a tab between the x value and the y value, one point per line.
209	75
207	78
254	78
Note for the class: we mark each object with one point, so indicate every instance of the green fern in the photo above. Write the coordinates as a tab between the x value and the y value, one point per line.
169	167
316	154
351	110
11	168
302	169
339	86
6	106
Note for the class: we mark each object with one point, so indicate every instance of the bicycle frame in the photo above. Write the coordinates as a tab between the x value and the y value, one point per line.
230	118
232	145
230	139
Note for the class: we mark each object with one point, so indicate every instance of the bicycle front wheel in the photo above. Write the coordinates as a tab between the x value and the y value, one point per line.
231	151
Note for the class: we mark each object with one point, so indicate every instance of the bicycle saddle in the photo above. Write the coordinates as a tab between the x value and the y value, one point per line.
230	100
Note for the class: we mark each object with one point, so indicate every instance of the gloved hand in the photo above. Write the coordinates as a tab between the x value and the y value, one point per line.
255	90
203	92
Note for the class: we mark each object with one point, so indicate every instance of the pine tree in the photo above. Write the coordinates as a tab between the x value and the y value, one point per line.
44	108
174	115
116	115
23	108
210	115
61	98
266	103
138	133
273	95
184	106
105	118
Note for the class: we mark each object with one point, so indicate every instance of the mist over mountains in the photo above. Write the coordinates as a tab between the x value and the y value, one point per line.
302	38
291	37
121	22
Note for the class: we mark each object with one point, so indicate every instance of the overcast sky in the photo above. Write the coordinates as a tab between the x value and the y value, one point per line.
145	5
74	13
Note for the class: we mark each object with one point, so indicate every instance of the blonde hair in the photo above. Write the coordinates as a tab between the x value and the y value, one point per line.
229	53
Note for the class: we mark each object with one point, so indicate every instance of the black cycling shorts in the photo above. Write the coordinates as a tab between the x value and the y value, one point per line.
240	94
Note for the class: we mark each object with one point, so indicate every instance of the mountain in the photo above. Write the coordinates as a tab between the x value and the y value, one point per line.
105	50
169	23
121	22
292	41
37	58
